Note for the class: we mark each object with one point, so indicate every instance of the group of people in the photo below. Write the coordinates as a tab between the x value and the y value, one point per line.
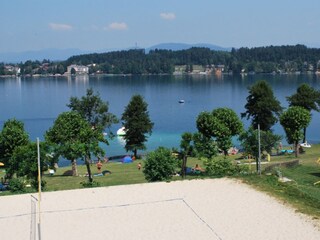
99	165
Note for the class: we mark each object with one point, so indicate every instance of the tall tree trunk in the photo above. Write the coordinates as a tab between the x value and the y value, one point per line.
304	134
296	149
225	152
184	164
74	168
87	161
135	153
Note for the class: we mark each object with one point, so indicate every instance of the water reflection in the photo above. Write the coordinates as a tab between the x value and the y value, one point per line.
37	101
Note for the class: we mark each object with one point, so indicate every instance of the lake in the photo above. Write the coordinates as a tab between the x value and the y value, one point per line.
38	101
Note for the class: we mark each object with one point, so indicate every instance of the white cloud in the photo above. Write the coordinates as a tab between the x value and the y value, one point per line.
118	26
60	27
168	16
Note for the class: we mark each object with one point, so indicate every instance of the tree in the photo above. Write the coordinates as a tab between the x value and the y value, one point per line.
262	106
249	142
186	149
12	136
306	97
205	147
159	165
24	162
221	124
137	123
232	123
93	110
96	112
73	138
293	121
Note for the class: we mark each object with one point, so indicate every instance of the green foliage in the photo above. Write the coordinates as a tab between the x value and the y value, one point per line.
72	137
93	110
230	119
293	121
17	185
230	124
136	61
262	106
249	141
90	184
137	123
306	97
186	143
159	165
210	126
12	136
186	149
219	167
222	124
96	113
205	147
69	134
24	162
35	184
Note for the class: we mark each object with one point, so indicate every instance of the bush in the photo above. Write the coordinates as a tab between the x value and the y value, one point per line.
159	165
16	185
90	184
242	169
219	167
34	184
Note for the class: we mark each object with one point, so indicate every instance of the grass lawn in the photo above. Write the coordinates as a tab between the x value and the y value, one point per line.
301	192
121	174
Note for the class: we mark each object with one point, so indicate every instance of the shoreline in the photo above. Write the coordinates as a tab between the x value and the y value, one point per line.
154	74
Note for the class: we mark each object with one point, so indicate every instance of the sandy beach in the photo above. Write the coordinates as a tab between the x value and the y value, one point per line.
197	209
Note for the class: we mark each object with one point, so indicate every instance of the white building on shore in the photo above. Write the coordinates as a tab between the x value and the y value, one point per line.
78	69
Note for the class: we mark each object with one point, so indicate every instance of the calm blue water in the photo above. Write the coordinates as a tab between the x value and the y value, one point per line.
38	101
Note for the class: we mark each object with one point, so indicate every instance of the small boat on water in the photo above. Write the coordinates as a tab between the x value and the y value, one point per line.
121	131
306	145
181	101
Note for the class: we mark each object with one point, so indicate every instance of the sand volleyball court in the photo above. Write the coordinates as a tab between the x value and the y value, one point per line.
197	209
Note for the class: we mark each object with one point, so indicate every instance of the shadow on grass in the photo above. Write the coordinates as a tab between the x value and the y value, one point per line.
317	174
67	173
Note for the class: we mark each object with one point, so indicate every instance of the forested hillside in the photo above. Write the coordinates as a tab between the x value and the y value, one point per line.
260	60
271	59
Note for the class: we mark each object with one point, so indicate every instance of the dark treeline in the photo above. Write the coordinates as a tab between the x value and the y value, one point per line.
260	60
155	62
271	59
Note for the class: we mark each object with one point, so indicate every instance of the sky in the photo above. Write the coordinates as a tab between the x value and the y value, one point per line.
120	24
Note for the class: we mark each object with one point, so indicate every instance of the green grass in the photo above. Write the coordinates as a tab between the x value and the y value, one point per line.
301	193
121	174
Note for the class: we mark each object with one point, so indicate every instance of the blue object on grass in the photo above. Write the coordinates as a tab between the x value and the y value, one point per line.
127	159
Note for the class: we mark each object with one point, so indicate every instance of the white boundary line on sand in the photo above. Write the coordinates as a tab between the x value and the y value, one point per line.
182	200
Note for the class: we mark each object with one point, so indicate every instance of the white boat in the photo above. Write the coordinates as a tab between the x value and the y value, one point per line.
306	145
121	131
181	101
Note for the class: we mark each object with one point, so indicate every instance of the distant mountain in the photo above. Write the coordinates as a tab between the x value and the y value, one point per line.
182	46
50	53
